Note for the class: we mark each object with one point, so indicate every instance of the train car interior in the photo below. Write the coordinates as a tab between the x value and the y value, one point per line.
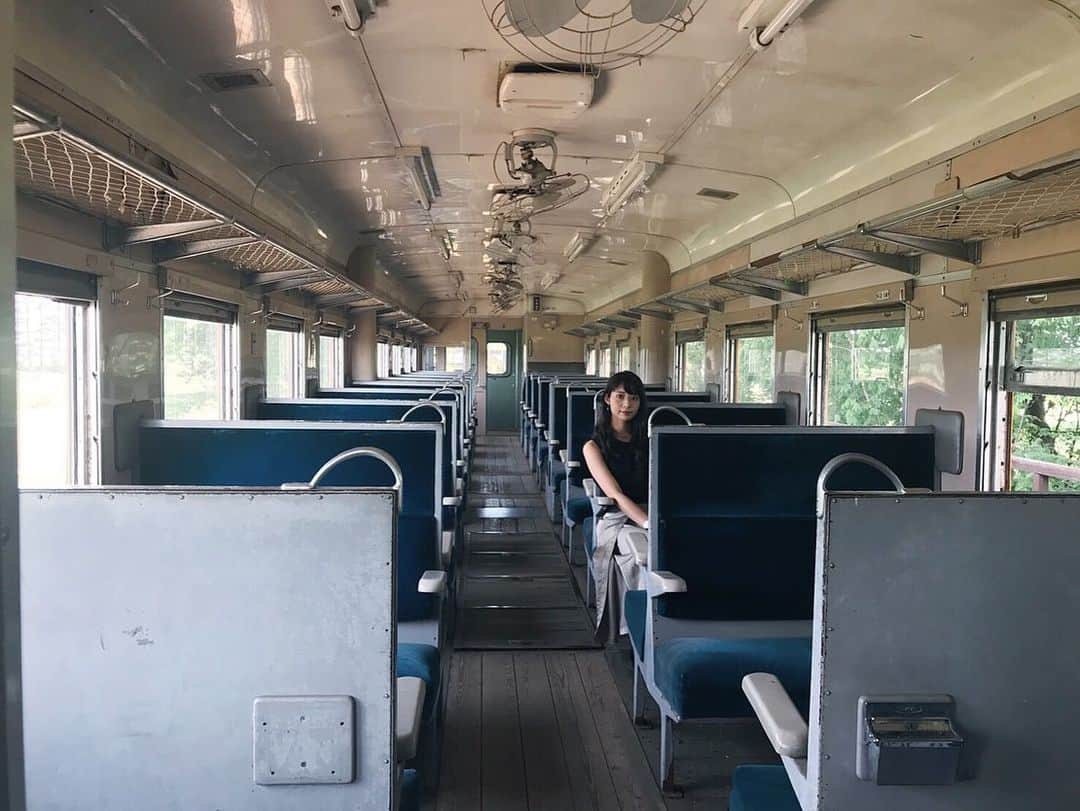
513	405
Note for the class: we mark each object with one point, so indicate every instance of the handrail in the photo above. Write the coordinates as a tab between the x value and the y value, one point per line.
838	462
672	409
426	404
344	456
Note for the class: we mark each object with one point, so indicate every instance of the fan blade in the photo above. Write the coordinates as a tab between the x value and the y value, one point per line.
656	11
538	18
558	183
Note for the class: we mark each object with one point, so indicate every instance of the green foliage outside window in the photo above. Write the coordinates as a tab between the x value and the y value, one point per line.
754	376
693	359
1046	427
865	377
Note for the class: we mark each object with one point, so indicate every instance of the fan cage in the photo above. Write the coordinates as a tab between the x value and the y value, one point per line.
592	42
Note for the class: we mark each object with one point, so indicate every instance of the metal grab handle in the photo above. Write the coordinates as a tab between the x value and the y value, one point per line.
425	404
438	392
344	456
673	410
838	462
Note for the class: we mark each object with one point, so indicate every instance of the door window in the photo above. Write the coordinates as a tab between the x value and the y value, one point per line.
498	359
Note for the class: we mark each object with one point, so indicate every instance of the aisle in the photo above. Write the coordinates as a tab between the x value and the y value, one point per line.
516	590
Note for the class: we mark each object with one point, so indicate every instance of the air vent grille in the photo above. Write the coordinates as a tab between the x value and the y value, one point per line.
718	194
235	80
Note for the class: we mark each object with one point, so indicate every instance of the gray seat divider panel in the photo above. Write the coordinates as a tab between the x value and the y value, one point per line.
153	621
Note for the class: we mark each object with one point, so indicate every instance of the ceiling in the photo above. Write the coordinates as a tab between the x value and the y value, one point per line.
853	93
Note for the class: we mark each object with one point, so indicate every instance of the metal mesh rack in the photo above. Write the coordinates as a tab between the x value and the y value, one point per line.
56	164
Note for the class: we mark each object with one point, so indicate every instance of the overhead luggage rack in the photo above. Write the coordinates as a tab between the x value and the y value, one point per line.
952	226
142	207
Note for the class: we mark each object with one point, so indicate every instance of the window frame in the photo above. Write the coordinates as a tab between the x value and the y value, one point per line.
509	371
289	325
198	308
84	395
382	359
740	332
824	324
682	338
336	334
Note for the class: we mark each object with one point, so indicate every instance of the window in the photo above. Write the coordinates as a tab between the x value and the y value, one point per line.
455	359
860	368
590	360
382	355
690	360
605	362
198	358
498	359
1037	393
331	358
284	357
395	359
55	353
751	355
622	356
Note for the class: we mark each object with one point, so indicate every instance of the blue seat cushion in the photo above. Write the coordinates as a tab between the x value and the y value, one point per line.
422	662
587	532
762	788
578	509
702	678
635	603
409	797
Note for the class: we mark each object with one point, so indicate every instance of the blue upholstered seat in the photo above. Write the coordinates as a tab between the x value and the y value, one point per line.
702	678
762	788
587	533
409	797
635	604
558	473
417	553
578	509
422	662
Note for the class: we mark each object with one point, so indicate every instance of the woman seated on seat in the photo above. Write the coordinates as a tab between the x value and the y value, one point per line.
618	460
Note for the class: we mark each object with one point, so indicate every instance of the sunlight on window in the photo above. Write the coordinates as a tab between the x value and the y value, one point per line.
45	388
693	366
455	359
498	355
331	361
281	363
194	373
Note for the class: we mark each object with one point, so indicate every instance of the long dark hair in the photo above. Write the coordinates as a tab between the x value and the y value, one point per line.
604	434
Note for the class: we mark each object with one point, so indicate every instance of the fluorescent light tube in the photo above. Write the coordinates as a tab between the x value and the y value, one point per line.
421	172
630	181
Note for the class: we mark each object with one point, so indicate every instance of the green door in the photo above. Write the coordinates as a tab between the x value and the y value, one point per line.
503	379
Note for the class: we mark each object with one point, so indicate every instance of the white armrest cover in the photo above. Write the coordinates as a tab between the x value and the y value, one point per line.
562	456
541	426
572	465
459	486
432	581
460	463
447	546
590	487
554	443
664	583
410	709
451	501
783	725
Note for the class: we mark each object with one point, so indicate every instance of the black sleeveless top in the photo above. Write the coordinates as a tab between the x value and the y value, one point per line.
629	466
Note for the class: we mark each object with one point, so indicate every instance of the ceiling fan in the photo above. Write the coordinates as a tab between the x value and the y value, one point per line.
514	242
533	186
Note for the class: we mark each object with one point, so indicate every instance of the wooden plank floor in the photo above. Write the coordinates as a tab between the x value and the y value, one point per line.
539	730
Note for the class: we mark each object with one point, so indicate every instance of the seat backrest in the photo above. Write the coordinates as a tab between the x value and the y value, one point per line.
721	414
739	524
270	453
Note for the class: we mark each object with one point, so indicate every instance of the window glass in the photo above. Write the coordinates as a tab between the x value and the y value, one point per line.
623	361
382	354
692	366
47	394
754	375
498	359
864	376
395	359
331	361
195	355
455	358
282	363
1045	427
590	361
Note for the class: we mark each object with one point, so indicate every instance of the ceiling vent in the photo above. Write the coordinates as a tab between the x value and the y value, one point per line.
718	194
551	94
235	80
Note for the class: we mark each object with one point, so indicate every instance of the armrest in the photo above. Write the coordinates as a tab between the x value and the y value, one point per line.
451	501
410	708
664	583
590	487
572	465
460	463
553	443
447	547
432	581
562	456
459	486
541	426
784	726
